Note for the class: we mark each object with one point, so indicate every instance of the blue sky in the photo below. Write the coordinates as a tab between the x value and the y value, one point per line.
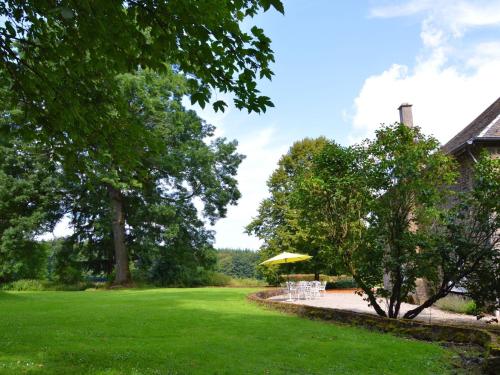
324	51
343	67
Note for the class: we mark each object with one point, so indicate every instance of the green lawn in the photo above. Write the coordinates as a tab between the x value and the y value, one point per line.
190	331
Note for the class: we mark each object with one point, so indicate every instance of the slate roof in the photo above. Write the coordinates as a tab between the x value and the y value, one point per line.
486	127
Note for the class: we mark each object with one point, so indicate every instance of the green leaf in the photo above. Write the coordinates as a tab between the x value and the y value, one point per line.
219	105
278	5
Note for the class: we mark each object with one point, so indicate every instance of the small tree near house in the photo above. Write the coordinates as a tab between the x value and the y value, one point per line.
381	207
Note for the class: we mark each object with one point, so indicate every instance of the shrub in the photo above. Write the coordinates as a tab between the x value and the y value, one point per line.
458	304
24	285
247	282
303	277
471	308
64	266
342	283
34	285
217	279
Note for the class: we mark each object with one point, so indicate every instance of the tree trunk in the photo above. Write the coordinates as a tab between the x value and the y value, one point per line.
122	274
371	297
443	292
395	300
316	275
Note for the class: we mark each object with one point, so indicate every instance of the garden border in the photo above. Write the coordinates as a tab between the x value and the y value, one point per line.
486	338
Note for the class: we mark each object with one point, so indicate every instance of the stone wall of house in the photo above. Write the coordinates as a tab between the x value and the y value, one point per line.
465	159
466	165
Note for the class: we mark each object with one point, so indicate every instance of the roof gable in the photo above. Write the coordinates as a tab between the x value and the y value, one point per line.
485	126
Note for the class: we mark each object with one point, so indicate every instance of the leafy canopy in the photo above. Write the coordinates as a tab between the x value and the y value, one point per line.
278	223
58	55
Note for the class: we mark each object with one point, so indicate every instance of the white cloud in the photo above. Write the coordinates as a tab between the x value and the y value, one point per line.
262	154
454	15
262	151
444	19
62	229
448	87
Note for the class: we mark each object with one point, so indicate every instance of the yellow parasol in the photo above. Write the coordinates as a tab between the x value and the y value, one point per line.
286	258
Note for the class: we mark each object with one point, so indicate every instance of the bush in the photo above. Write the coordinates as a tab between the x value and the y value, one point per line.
471	308
303	277
247	283
66	267
341	283
24	285
458	304
33	285
217	279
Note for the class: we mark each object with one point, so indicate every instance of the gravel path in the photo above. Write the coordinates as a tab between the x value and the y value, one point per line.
347	300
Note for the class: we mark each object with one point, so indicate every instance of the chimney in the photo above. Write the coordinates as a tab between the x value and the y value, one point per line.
405	115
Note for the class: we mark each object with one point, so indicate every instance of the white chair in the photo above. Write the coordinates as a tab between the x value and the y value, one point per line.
308	290
322	288
315	288
291	290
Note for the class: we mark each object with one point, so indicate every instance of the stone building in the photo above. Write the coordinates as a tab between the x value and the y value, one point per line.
481	134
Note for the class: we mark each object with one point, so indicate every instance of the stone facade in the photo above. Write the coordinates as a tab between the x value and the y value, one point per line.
481	134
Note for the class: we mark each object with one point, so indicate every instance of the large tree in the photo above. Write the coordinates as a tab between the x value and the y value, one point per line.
147	201
278	223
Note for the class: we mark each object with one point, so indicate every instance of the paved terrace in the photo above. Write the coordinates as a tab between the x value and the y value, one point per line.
348	300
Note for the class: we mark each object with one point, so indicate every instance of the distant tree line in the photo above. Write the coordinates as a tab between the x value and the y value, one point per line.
238	263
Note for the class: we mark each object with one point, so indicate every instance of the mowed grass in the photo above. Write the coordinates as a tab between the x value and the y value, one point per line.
190	331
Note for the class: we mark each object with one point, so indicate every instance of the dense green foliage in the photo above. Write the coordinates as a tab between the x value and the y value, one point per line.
29	206
190	331
71	51
239	263
278	223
